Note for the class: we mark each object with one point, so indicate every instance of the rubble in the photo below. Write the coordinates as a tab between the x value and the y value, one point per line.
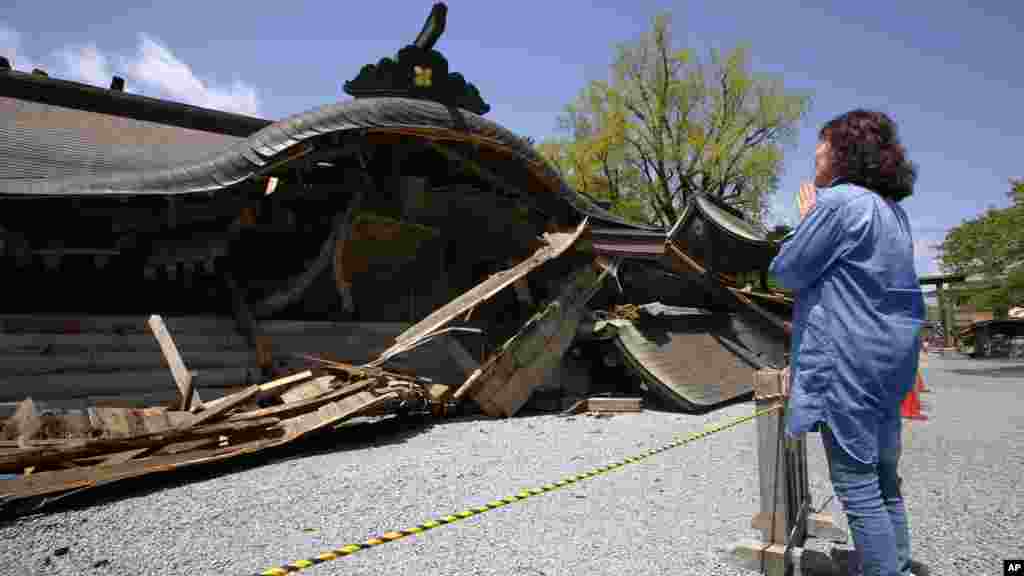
109	444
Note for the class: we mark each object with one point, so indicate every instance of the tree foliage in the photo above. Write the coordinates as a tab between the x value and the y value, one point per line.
990	247
668	126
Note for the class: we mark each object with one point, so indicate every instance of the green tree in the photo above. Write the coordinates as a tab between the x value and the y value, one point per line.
990	247
667	126
593	158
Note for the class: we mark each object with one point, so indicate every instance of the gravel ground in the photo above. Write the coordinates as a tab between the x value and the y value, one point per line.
674	513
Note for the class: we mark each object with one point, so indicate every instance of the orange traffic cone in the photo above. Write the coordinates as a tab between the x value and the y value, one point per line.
911	407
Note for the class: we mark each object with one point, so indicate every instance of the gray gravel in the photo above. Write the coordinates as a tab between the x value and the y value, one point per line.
675	513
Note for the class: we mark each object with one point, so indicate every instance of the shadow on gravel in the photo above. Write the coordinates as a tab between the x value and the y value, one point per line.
358	434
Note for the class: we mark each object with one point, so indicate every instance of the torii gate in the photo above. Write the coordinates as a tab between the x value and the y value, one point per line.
945	312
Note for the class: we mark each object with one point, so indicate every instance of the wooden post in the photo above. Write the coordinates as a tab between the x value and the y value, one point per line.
182	377
782	466
783	519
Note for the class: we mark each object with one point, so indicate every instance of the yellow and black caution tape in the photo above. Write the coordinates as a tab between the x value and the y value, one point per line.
349	549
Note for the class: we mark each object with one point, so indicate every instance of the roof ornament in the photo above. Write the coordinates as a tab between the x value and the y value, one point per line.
419	71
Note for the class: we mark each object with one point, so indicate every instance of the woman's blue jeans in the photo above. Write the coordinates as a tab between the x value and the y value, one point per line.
870	495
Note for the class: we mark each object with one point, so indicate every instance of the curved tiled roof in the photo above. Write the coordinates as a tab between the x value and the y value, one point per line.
49	148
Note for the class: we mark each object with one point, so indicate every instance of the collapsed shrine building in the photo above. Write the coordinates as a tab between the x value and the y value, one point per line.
400	228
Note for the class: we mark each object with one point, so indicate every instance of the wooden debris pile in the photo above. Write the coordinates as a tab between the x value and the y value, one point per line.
45	453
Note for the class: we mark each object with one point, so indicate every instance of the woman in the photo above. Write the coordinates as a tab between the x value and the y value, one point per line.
857	325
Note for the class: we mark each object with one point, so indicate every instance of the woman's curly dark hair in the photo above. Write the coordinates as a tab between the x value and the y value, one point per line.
866	151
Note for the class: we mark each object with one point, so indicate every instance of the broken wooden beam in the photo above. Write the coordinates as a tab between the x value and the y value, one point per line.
181	374
52	455
309	389
276	386
58	481
606	405
334	413
228	402
296	408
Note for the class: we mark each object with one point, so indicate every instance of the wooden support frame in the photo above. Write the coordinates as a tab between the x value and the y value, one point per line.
784	519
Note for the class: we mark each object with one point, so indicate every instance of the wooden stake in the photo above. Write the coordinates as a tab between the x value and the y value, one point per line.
782	464
181	375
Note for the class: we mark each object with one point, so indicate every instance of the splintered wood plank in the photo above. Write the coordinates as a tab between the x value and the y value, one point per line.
296	408
53	482
221	409
266	389
307	390
281	385
333	413
47	456
343	367
117	422
182	377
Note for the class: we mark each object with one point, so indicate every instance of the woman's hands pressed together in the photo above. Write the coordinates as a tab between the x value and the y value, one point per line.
808	196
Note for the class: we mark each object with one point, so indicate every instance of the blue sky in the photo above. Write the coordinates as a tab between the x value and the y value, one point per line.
947	72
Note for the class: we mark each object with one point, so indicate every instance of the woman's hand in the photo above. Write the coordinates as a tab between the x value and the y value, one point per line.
808	196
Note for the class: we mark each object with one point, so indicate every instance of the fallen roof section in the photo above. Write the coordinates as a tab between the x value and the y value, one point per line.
555	244
688	357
